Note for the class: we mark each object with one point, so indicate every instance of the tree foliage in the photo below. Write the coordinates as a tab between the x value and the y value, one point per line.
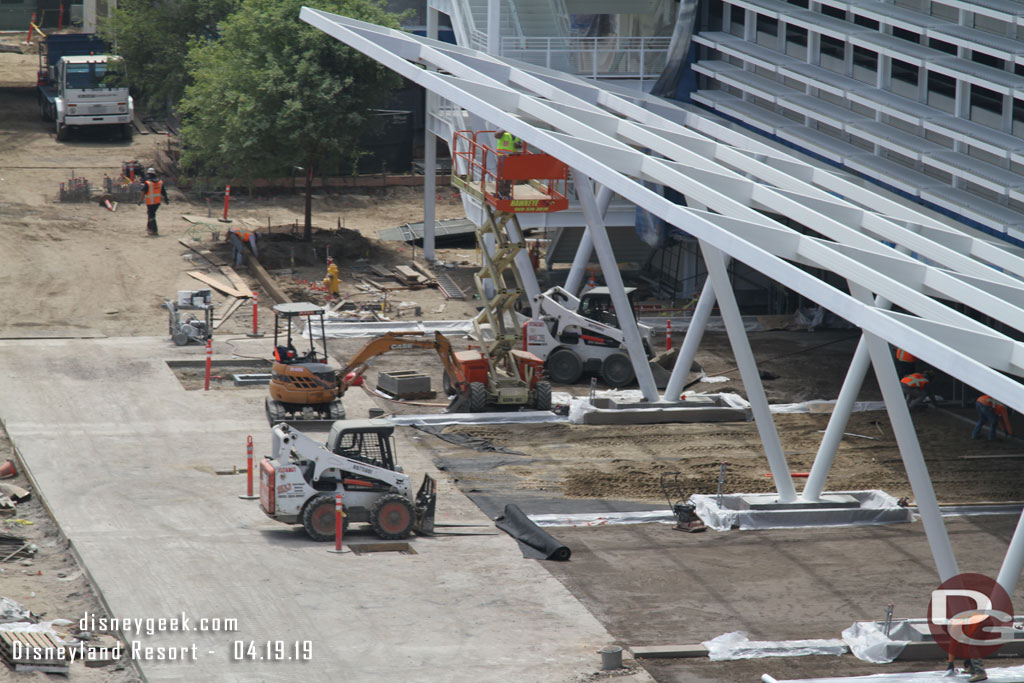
274	93
152	37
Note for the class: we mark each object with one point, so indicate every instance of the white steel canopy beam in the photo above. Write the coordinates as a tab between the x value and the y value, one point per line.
378	44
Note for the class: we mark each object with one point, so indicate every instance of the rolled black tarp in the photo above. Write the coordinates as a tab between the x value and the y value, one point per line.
535	543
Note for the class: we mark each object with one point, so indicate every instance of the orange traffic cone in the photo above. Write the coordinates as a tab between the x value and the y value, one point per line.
8	470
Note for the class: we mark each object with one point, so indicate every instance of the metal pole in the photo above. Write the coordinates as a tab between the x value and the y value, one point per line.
586	248
493	27
617	291
910	449
692	339
429	162
837	423
718	273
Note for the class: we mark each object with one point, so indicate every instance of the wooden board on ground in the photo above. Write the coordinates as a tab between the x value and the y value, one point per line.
426	272
408	276
28	642
669	651
381	271
219	286
236	281
232	307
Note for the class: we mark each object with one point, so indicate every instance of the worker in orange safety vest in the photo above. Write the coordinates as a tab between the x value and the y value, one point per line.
993	413
906	363
154	194
917	387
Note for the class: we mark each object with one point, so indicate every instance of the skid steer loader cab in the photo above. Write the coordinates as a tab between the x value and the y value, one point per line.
303	387
301	478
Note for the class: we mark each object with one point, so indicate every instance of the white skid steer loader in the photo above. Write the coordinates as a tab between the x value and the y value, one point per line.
300	478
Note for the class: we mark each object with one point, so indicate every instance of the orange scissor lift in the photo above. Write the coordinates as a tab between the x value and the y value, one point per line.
506	185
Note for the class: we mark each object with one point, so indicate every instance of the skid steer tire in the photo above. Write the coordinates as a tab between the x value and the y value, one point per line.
318	518
617	370
542	396
564	367
392	517
477	397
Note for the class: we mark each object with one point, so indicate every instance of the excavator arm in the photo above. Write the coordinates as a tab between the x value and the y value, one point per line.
398	341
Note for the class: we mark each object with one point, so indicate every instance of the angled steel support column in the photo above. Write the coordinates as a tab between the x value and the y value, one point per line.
910	449
429	161
837	423
694	335
718	274
586	248
1013	562
623	310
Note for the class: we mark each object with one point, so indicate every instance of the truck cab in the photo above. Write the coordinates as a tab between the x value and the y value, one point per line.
80	86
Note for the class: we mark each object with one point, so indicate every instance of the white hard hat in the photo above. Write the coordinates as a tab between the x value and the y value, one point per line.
151	170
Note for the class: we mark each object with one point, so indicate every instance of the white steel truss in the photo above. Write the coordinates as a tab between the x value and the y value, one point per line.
889	254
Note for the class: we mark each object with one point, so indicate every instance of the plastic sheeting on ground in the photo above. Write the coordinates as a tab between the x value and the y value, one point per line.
518	417
605	518
337	329
807	406
868	642
876	507
737	645
1009	674
475	442
535	543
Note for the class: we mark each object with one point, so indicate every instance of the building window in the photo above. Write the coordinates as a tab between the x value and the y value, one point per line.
942	46
904	34
865	21
796	41
986	106
799	3
988	60
829	11
904	79
1018	117
767	31
942	92
832	54
865	64
738	19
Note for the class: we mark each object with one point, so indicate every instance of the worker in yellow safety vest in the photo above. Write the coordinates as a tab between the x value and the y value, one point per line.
154	194
505	144
917	387
994	413
906	363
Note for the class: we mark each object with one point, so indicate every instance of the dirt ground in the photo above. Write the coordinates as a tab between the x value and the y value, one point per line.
79	269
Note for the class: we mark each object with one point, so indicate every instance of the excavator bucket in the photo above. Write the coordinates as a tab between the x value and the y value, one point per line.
426	501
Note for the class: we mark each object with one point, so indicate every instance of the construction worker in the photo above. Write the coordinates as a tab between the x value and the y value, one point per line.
506	144
906	363
154	194
993	413
917	387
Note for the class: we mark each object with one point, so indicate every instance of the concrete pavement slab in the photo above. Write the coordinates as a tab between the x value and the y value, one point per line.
125	458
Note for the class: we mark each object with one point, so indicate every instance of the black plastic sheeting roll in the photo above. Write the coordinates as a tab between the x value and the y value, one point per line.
534	542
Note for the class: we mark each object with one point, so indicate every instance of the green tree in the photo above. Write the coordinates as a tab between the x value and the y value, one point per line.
152	36
274	93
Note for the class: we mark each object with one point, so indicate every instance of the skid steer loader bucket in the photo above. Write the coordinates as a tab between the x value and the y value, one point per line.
426	501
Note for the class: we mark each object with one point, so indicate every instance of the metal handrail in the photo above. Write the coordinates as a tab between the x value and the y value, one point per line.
640	57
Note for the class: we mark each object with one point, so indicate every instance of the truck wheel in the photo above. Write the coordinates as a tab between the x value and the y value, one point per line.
318	518
392	517
617	370
564	366
62	132
44	108
542	396
477	397
127	131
